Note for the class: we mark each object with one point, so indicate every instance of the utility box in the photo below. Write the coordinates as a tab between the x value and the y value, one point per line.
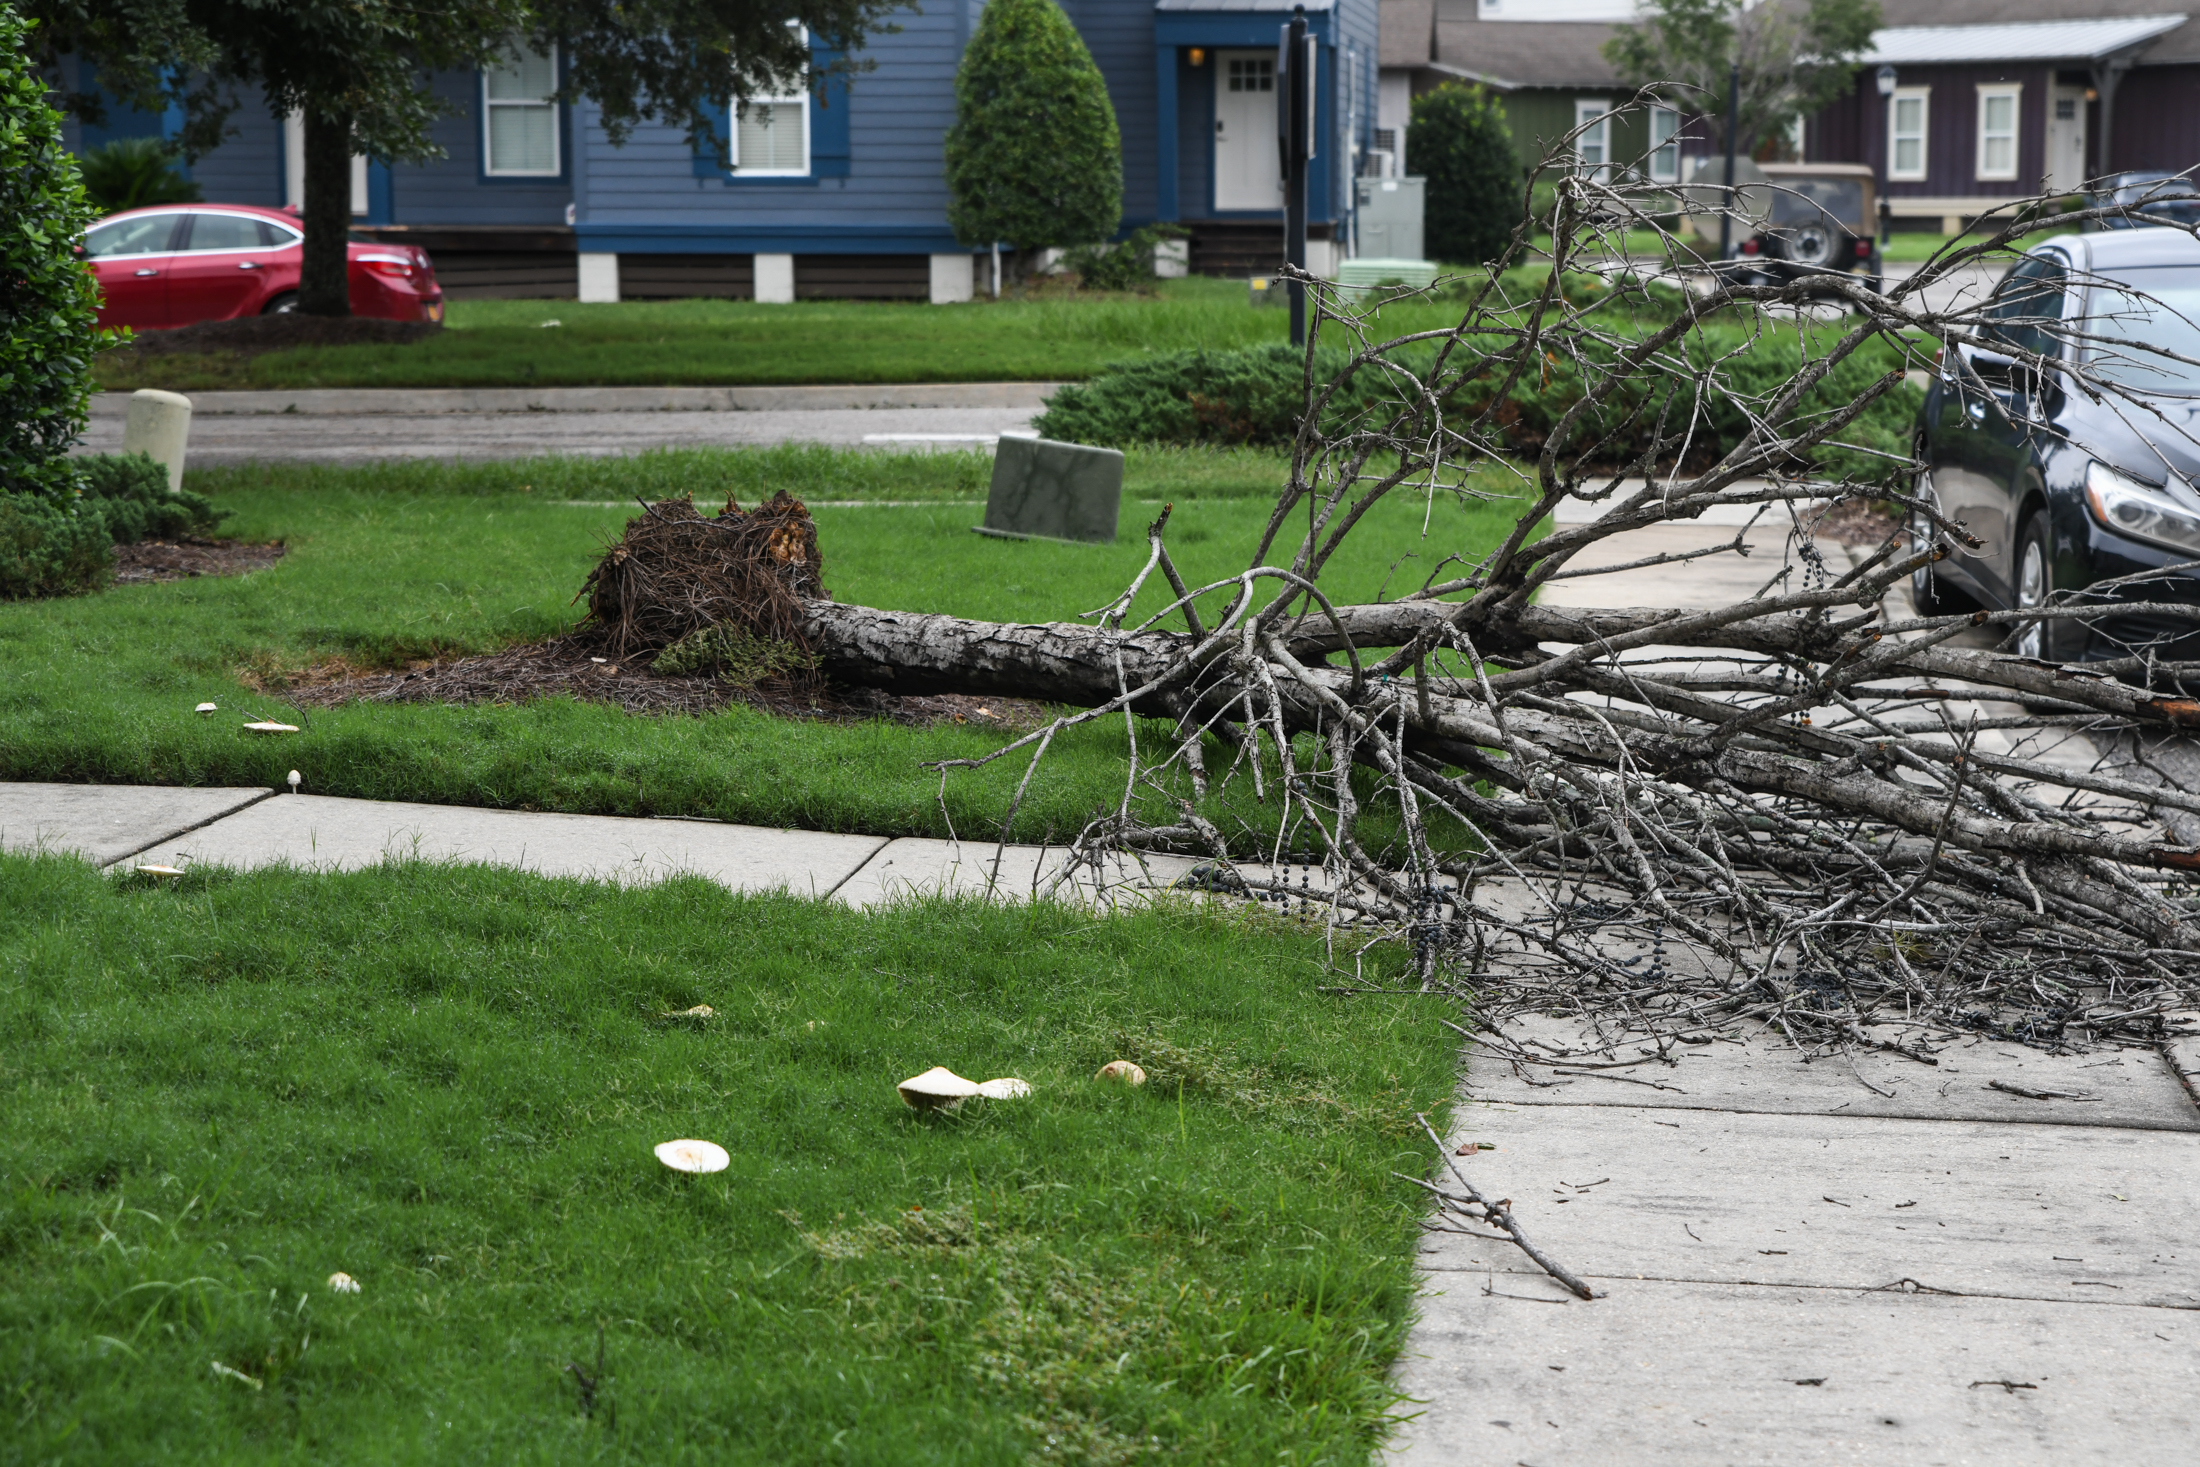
1390	213
1044	490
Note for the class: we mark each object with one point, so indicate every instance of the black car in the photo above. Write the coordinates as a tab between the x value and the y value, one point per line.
2147	197
2063	489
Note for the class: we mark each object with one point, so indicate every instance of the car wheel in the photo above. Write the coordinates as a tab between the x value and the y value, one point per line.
285	304
1930	591
2035	586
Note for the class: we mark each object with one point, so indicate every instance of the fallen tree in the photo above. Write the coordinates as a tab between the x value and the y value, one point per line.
1835	806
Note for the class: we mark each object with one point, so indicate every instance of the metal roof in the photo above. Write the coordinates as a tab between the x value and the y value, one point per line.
1240	7
2047	40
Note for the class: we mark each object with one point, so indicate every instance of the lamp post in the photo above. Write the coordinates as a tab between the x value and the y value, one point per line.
1885	77
1295	145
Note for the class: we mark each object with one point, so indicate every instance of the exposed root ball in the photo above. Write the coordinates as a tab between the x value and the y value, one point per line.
676	572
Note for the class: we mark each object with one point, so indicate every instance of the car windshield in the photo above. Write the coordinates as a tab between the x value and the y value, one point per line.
1800	201
2134	317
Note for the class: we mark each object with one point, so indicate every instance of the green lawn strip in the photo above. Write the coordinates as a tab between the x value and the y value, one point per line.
739	343
382	569
446	1083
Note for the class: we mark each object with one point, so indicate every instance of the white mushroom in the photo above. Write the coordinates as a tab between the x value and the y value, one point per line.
269	726
207	710
160	870
295	780
1121	1072
938	1086
1008	1088
693	1156
343	1283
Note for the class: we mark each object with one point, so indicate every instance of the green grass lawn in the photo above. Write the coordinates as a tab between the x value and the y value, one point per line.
730	343
395	563
447	1082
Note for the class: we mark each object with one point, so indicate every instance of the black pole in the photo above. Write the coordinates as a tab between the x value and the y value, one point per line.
1295	140
1733	127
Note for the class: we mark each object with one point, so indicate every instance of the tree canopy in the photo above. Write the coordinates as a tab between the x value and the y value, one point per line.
1034	158
1796	56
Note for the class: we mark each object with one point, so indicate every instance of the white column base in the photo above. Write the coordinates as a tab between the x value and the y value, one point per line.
159	426
599	279
1321	258
1172	259
775	280
954	278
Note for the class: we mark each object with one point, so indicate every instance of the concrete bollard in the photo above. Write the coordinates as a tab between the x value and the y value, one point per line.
159	426
1044	490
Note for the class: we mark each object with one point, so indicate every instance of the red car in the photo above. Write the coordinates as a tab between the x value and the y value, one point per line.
179	264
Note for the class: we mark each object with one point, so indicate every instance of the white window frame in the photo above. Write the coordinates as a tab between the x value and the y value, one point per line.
1923	96
557	139
800	98
1596	136
1665	152
1995	91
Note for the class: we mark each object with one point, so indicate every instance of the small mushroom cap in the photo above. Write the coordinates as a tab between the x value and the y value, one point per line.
343	1283
700	1011
269	726
936	1086
205	709
693	1156
1121	1072
160	870
1007	1088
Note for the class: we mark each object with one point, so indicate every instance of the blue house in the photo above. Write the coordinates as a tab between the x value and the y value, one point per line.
838	191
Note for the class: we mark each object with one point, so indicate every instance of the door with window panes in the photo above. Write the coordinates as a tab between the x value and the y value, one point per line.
1248	173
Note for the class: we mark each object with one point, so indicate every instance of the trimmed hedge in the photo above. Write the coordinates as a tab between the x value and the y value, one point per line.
1256	397
1459	139
56	544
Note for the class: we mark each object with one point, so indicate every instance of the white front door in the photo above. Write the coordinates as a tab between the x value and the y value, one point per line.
1247	174
2066	140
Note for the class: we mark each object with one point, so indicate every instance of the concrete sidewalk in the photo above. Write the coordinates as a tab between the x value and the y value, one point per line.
374	425
126	826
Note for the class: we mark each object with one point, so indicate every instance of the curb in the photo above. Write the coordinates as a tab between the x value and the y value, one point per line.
369	402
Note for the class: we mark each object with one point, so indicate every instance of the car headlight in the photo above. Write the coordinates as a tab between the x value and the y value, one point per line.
2130	507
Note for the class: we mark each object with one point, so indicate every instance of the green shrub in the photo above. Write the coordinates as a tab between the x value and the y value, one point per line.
1125	265
49	304
1459	141
1257	397
134	173
131	493
1034	158
51	546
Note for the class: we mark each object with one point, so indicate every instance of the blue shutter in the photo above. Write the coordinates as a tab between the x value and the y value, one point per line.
829	151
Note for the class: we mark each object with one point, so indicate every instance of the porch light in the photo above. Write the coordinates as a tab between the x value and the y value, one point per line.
1199	56
1885	77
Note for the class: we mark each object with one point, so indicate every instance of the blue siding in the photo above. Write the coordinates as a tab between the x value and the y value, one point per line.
455	189
1119	33
1195	131
248	167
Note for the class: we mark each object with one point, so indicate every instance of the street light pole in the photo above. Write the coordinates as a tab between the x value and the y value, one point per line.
1885	77
1733	127
1295	145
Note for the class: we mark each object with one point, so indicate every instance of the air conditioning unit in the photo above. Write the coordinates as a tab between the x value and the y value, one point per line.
1390	217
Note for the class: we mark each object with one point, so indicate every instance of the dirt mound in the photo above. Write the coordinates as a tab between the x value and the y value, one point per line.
676	573
575	667
180	559
252	335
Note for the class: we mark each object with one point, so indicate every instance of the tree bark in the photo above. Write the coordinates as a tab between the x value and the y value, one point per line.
324	282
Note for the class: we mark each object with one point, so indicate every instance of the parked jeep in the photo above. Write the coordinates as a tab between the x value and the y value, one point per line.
1819	219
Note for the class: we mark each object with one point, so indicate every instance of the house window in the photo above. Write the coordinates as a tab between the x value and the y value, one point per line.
519	116
1593	136
1997	132
771	135
1665	145
1907	118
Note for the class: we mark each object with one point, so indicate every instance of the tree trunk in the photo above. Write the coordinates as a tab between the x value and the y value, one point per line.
324	282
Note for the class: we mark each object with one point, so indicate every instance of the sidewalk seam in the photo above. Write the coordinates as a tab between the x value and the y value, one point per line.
186	830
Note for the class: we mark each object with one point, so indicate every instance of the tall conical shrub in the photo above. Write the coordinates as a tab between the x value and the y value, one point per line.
1034	159
1459	140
